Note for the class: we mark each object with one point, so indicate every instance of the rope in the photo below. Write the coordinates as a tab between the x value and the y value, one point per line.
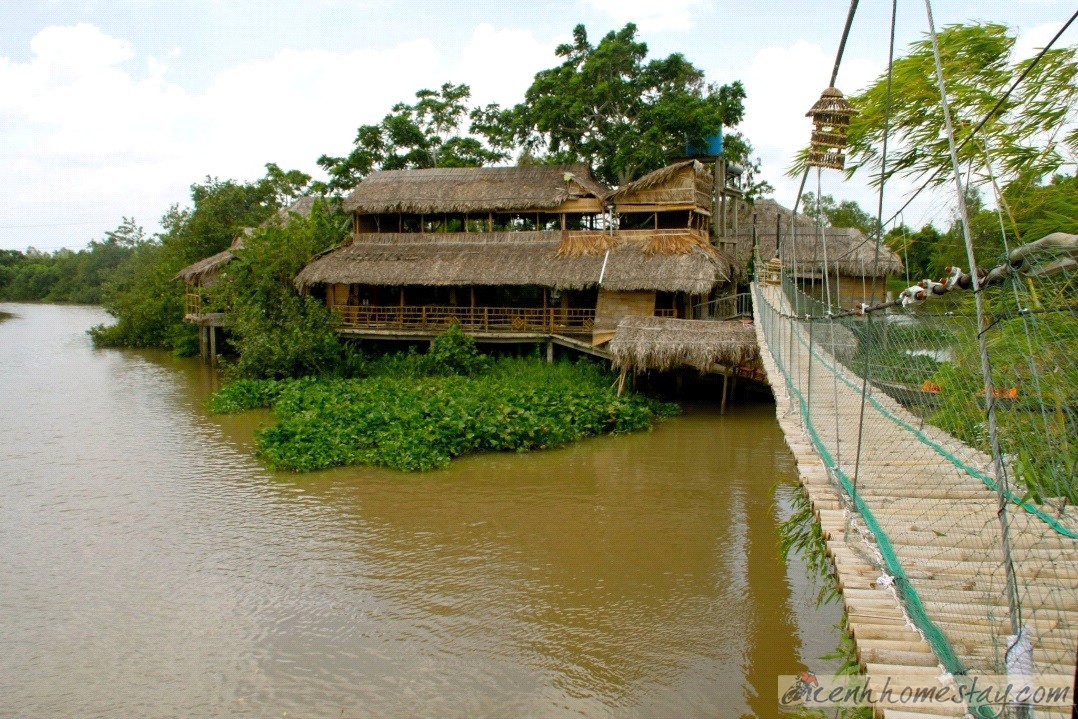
982	340
879	234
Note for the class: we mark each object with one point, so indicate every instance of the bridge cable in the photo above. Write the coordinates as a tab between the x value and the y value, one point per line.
879	236
982	341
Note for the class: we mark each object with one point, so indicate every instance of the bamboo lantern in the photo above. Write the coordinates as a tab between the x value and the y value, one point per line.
772	274
830	121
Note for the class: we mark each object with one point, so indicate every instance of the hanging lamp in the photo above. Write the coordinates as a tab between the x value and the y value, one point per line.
830	121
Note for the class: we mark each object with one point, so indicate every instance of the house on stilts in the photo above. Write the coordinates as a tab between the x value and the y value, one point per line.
200	276
537	254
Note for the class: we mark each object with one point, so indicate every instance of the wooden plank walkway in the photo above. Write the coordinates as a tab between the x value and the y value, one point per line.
940	520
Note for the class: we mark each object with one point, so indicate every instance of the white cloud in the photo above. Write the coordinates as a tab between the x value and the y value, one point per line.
1032	40
781	85
90	132
500	64
650	15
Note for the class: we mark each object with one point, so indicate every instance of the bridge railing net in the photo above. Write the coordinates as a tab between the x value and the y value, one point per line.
896	406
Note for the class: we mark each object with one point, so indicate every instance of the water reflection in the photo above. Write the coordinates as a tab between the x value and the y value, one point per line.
157	570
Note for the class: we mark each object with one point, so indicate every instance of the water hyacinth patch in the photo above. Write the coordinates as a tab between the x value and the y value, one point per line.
414	423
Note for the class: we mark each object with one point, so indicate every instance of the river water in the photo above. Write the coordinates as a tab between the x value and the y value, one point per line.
150	567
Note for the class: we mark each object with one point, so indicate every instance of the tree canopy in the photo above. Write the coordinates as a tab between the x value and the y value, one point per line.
428	133
609	106
1033	135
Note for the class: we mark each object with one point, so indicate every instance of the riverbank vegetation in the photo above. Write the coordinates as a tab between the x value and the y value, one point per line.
416	412
68	276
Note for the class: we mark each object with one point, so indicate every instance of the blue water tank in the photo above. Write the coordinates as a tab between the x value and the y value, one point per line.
712	146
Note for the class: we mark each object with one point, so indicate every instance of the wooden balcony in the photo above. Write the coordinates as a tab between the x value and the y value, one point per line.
434	318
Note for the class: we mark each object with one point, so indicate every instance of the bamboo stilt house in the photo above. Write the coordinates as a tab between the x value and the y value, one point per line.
665	343
528	251
203	274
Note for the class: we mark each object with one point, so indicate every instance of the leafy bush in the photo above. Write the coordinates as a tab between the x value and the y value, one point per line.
277	332
454	352
414	423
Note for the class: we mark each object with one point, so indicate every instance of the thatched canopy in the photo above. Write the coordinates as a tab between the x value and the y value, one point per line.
204	272
510	258
687	184
663	343
473	189
848	247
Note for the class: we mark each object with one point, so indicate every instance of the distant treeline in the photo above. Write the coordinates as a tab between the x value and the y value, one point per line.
65	275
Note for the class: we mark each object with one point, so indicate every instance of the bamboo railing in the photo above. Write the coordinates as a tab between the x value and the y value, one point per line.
546	320
192	304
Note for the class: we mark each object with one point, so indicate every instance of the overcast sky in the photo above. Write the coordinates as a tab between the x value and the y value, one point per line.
112	108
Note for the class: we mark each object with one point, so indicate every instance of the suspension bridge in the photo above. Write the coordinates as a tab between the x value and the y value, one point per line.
945	575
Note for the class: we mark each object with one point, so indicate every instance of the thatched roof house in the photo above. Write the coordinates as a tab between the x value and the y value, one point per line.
473	189
682	186
204	272
512	258
663	343
847	247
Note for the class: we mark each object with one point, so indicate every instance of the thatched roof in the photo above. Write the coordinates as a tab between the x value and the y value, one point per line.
848	247
511	258
687	183
662	343
204	272
302	207
473	189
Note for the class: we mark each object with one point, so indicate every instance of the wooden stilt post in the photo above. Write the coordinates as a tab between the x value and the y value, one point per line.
550	351
202	349
213	345
725	389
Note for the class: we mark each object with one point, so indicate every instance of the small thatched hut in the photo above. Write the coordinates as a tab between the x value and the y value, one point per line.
526	249
663	343
204	273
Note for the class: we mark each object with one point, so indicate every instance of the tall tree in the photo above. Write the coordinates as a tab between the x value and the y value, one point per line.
429	133
611	107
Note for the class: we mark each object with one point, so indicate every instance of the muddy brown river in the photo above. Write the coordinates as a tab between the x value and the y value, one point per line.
150	567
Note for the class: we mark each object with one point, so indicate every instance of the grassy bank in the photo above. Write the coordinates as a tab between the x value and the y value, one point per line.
407	414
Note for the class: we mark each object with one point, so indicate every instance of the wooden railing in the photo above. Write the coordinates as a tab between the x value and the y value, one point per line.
640	234
546	320
192	303
725	308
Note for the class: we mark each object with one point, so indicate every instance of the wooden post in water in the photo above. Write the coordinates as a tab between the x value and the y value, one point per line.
550	351
725	390
213	345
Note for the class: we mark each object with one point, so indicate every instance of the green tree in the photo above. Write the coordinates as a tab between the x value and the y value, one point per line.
143	293
276	331
428	133
1034	134
839	214
609	106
